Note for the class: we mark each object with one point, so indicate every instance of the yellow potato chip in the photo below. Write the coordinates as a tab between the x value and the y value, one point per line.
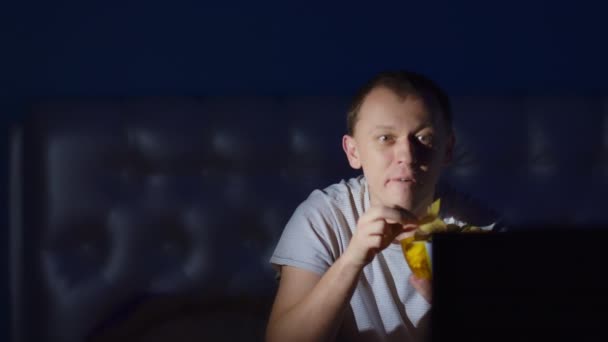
437	225
431	223
415	248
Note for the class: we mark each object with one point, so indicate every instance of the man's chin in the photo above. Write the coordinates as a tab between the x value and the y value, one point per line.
407	204
404	203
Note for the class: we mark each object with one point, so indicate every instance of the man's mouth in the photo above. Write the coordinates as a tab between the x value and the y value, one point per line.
402	180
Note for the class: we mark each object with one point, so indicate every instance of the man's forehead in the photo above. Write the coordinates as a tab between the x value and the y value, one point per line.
380	107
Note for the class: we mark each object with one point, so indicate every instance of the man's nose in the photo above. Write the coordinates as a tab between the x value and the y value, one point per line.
404	151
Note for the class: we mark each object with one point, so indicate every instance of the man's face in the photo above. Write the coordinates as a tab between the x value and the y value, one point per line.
401	145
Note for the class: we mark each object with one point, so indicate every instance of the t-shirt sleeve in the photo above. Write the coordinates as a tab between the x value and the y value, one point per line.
309	240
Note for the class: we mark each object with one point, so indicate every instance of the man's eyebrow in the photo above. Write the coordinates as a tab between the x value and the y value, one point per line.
388	127
423	125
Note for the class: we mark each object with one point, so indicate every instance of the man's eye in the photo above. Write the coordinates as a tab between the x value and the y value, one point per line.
426	139
384	138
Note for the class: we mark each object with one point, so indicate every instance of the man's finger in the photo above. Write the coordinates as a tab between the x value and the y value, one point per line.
400	232
392	215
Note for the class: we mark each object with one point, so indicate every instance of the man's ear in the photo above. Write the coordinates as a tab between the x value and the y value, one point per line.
350	148
449	149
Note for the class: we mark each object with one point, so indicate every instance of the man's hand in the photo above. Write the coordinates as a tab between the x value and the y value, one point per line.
376	229
423	287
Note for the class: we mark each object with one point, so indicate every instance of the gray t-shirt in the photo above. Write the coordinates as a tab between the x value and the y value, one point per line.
384	306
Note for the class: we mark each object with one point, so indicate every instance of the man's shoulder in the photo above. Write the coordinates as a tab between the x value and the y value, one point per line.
337	196
344	190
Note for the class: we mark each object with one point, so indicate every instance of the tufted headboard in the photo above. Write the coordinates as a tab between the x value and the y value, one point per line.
135	217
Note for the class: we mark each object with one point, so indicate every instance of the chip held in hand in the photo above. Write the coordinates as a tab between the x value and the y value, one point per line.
417	248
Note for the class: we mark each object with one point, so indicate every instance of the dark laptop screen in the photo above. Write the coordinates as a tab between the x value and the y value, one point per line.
536	284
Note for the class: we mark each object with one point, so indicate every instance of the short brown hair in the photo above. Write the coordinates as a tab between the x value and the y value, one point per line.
403	83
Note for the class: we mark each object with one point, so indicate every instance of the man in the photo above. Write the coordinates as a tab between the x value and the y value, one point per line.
342	271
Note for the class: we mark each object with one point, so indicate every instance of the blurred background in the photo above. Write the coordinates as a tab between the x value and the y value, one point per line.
528	81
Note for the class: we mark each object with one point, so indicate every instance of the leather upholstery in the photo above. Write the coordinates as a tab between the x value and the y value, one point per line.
126	199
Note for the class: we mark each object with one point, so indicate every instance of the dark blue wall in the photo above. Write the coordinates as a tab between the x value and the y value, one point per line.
277	47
